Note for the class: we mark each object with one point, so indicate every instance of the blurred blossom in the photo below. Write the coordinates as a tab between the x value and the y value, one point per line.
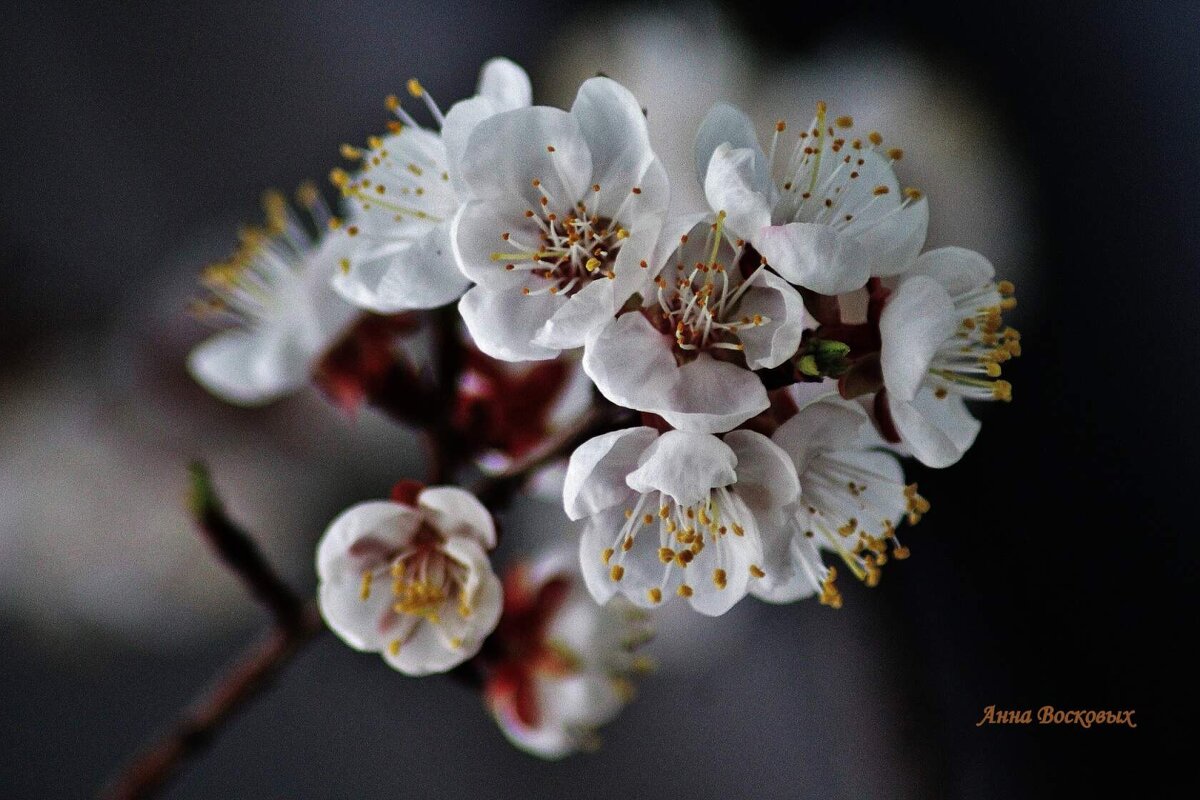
93	454
679	62
559	665
410	577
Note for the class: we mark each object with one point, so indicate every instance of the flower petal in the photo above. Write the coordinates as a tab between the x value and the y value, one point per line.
614	127
730	186
455	512
685	466
251	367
507	152
776	341
957	269
504	323
421	275
357	622
936	432
766	479
597	470
828	423
633	366
506	83
478	238
893	244
599	531
382	524
728	125
794	574
814	256
918	319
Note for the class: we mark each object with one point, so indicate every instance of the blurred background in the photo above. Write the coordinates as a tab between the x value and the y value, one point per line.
1058	139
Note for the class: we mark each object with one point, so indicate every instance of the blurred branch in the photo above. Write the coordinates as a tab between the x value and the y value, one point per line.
496	491
238	551
194	730
295	623
447	448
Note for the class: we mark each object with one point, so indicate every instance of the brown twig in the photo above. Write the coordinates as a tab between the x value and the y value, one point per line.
295	623
496	491
194	730
238	551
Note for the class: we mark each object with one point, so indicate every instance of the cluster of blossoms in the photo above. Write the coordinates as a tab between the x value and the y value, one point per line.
749	376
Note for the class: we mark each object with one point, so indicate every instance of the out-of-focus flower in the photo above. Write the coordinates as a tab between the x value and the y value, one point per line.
410	577
852	498
679	513
506	410
559	666
826	211
276	288
687	354
566	210
942	341
404	198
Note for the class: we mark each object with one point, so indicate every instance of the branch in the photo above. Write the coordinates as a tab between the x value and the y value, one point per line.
238	551
295	623
496	491
195	729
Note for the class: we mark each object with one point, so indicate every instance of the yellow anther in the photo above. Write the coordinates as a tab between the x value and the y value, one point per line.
617	572
415	88
895	154
393	647
719	578
844	122
655	595
684	590
876	138
607	555
756	571
666	555
364	591
592	264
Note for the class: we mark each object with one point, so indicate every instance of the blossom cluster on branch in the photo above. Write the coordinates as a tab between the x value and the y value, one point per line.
721	397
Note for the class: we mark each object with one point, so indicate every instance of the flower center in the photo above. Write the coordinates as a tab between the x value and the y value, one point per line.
850	509
683	533
568	250
820	180
424	580
968	364
700	309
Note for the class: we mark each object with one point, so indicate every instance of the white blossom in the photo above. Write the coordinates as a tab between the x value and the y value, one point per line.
275	288
412	579
567	664
826	212
942	342
852	497
710	319
404	197
680	513
565	211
